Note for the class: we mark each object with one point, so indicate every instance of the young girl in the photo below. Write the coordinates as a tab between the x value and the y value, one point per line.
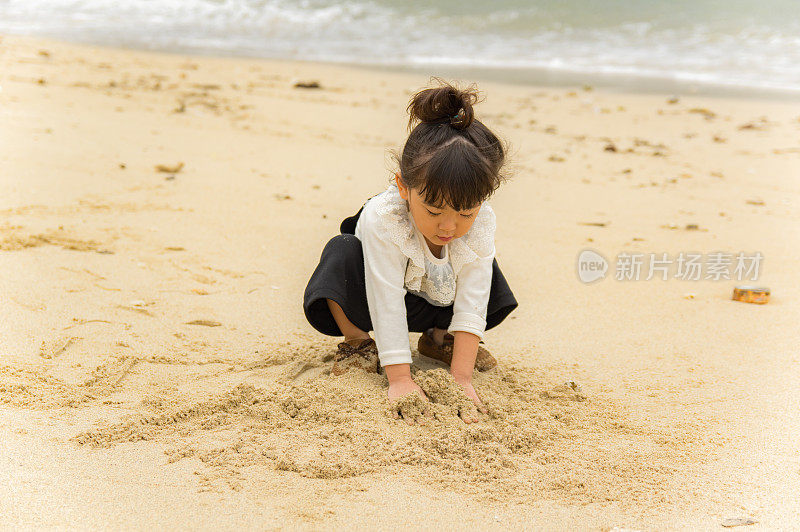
420	256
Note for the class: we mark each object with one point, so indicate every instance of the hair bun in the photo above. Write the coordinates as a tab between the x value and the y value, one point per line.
444	104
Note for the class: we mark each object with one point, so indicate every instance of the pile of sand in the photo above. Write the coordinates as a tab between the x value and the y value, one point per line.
537	440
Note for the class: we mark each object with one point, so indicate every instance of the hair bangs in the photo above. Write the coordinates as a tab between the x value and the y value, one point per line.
457	175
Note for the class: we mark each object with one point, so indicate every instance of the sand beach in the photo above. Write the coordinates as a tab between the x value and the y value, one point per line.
160	215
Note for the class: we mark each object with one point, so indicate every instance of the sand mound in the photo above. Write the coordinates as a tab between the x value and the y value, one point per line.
538	439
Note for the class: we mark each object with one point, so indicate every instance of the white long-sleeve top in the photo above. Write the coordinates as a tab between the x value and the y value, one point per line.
397	259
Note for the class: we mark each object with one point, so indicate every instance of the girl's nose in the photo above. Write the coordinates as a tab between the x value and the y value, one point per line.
447	226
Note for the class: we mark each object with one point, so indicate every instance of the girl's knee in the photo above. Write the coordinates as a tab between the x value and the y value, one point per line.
343	244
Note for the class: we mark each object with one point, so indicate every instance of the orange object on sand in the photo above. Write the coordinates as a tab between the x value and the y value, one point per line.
751	294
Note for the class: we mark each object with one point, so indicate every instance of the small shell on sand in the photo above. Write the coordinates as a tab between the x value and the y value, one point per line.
169	169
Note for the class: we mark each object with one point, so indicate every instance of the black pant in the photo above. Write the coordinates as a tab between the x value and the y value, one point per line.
340	276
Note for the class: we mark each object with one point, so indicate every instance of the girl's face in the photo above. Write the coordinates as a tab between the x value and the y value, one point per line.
438	225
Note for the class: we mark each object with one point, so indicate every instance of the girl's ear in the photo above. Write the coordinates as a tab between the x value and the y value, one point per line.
401	186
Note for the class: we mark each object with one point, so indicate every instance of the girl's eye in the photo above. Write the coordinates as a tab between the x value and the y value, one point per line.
438	213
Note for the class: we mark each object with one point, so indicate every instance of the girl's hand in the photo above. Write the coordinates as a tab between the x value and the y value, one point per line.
466	383
397	389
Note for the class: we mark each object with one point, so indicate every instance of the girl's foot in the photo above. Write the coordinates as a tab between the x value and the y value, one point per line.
360	353
437	335
428	347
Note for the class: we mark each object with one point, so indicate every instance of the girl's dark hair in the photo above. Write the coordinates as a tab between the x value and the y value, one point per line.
450	157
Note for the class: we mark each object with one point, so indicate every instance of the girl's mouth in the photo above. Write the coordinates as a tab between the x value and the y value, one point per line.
444	239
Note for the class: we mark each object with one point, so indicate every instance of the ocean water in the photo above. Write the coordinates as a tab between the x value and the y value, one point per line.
745	45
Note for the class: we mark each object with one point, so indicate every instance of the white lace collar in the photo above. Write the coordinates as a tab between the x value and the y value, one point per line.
397	227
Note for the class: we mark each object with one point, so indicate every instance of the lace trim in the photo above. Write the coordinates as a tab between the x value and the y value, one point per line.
477	242
440	284
396	227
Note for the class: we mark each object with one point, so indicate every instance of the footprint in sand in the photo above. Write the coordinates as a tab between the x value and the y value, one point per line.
53	348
